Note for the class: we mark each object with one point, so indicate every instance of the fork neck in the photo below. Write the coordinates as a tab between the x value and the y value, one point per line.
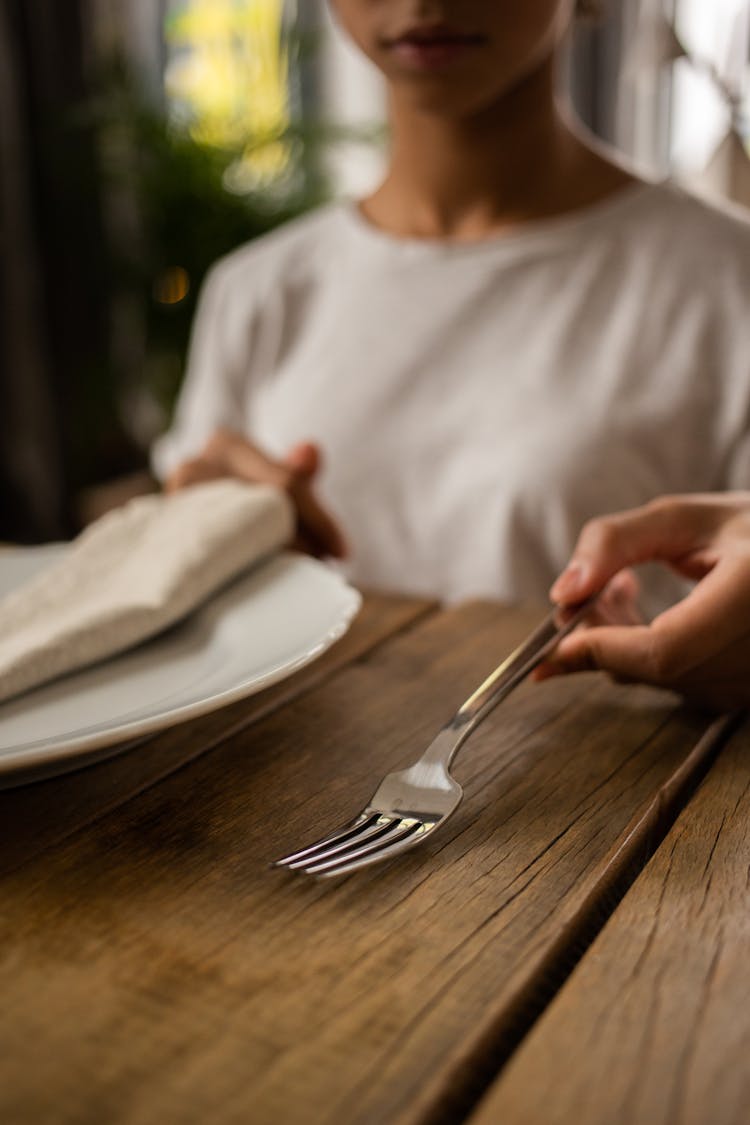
446	744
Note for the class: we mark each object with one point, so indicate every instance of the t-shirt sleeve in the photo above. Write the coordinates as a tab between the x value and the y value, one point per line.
211	392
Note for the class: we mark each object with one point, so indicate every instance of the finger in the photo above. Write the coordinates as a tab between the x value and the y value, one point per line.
304	459
621	650
668	529
618	603
307	545
687	636
316	524
714	614
320	530
548	669
238	457
191	472
319	533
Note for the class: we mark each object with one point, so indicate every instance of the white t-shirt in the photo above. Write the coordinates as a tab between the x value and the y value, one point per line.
477	402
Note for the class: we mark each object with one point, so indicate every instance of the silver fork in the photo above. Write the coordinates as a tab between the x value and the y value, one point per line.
410	804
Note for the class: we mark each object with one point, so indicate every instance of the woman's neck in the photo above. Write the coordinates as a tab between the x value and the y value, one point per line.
462	178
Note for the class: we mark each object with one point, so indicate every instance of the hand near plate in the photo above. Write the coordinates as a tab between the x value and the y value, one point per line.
699	647
229	454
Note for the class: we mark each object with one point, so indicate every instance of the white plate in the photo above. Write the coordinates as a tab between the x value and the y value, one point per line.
257	631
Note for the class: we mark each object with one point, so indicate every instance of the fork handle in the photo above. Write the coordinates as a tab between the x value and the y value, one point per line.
507	676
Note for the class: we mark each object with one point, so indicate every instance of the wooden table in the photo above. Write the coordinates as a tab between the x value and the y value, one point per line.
573	947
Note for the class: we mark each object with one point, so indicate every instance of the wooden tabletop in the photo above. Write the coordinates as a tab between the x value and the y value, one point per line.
572	947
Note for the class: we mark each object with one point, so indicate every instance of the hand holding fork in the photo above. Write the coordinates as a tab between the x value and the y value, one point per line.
410	804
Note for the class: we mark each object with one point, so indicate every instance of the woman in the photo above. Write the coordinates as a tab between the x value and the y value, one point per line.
510	336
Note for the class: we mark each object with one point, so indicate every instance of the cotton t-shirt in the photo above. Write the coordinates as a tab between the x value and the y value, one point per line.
477	402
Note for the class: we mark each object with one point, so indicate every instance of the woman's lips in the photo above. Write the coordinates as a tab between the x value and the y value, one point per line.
432	48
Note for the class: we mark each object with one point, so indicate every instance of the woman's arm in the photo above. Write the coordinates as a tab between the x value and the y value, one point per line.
204	442
699	647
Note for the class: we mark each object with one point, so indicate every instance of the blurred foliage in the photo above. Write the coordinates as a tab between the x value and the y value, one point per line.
171	214
171	203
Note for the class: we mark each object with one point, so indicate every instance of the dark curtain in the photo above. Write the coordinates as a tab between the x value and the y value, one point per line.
52	294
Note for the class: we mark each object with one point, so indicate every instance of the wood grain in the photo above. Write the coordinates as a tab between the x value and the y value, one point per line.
155	969
36	815
654	1024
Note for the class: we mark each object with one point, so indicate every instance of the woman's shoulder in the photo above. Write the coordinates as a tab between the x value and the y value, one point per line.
691	228
294	245
686	252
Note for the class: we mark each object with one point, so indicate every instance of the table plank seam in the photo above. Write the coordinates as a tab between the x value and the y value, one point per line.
182	979
454	1097
649	1028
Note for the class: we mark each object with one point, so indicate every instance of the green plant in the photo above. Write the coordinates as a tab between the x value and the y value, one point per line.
182	217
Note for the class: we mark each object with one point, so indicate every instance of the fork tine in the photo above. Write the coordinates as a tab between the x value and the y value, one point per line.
375	857
376	849
357	826
373	832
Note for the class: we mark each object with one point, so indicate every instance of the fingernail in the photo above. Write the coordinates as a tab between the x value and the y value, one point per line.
570	582
546	671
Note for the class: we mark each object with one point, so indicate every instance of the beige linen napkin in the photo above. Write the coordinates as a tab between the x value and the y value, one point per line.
134	572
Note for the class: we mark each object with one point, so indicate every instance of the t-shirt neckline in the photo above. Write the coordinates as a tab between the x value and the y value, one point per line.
552	229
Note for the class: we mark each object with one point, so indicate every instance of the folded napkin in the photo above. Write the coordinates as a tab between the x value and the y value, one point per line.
131	574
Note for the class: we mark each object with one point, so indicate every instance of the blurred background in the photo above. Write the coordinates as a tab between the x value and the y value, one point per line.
142	139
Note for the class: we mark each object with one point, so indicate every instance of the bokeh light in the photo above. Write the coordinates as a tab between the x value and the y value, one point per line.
227	83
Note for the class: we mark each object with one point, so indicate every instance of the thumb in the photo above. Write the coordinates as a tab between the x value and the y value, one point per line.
304	459
625	651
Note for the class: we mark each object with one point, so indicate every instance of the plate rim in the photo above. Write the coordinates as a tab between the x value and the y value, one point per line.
129	735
